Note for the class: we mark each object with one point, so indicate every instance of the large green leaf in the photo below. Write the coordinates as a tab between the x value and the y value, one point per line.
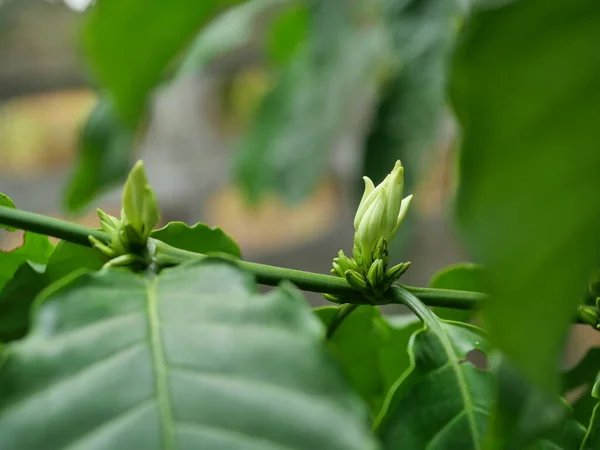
444	402
287	146
19	293
462	277
199	238
192	358
524	91
130	44
105	153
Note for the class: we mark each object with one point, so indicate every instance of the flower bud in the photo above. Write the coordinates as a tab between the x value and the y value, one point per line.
379	214
356	280
375	277
381	252
395	272
140	208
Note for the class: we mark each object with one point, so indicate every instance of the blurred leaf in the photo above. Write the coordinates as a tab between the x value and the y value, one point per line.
524	413
105	153
523	89
407	118
130	44
199	239
36	248
192	358
287	147
230	31
287	33
445	401
19	293
6	201
461	277
567	437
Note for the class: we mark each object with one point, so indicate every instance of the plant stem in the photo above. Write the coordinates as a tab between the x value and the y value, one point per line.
264	274
50	226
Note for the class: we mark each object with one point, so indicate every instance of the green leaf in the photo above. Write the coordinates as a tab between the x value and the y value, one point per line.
192	358
372	349
444	402
36	248
130	60
199	238
287	33
567	437
230	31
461	277
104	156
523	89
355	345
581	377
6	201
524	413
394	356
16	298
19	293
287	146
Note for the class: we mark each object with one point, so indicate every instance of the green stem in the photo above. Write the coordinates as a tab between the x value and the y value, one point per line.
38	223
264	274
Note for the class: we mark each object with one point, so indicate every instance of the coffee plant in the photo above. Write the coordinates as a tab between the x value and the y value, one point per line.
129	336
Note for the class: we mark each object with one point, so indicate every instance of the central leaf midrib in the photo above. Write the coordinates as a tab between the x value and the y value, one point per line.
163	402
447	344
431	321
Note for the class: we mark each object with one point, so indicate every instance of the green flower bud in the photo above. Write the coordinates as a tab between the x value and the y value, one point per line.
108	223
342	263
140	208
380	213
395	272
381	252
356	280
375	277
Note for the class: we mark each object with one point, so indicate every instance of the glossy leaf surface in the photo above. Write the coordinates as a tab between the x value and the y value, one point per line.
193	358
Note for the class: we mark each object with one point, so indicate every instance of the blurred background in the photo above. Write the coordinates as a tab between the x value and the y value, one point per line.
46	97
192	133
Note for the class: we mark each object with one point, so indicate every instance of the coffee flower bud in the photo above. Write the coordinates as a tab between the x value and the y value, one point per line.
379	214
140	208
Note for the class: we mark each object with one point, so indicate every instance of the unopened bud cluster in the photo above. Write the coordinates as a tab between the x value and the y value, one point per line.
378	218
139	215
